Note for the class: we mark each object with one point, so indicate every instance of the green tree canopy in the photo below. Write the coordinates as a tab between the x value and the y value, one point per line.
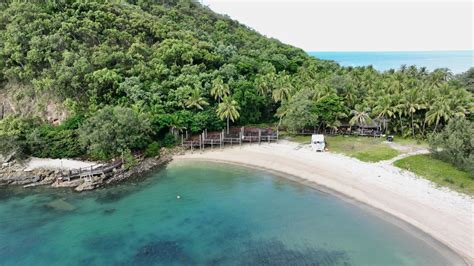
112	130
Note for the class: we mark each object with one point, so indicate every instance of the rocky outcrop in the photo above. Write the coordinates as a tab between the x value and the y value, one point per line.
16	174
142	167
5	159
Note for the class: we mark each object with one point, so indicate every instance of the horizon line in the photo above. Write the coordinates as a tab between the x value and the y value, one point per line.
387	51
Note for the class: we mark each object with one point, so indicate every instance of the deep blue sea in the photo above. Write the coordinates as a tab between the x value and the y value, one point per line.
456	61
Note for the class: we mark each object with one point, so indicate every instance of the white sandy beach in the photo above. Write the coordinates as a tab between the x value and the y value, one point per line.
56	164
441	213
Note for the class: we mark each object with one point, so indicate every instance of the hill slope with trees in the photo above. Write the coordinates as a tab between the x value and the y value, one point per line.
136	69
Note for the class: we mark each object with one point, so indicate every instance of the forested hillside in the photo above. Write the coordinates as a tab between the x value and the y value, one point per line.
117	76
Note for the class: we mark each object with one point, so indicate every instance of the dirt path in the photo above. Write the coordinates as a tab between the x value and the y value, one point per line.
404	155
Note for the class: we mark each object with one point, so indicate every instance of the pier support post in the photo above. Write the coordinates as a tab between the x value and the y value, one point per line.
186	134
182	139
259	136
277	134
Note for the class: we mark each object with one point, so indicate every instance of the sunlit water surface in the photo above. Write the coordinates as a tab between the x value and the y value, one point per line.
226	215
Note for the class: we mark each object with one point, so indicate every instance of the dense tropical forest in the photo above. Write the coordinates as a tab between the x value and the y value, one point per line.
100	78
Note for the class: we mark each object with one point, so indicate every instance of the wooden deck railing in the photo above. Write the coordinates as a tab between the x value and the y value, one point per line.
90	171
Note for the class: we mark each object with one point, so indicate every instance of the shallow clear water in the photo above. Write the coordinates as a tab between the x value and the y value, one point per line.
227	215
456	61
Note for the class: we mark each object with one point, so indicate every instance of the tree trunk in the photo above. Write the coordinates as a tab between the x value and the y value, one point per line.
227	125
436	126
401	125
423	128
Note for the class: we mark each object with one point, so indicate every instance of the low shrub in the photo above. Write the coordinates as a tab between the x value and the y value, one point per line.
455	145
153	149
169	140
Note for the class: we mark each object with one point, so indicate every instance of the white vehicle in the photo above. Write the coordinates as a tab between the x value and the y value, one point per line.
317	142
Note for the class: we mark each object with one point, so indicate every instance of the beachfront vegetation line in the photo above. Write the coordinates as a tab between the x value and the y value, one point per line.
101	79
439	172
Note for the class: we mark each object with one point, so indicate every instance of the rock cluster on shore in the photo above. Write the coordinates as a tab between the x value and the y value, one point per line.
15	173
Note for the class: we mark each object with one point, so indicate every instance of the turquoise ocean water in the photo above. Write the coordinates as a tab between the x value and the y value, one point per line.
227	215
456	61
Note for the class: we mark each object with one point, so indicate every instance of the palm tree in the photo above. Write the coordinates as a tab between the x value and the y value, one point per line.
439	110
384	110
265	83
228	109
282	111
333	125
195	100
411	103
360	116
396	84
219	89
321	91
350	96
283	89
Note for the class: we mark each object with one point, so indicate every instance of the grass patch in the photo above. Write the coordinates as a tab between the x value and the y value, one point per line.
441	173
411	141
363	148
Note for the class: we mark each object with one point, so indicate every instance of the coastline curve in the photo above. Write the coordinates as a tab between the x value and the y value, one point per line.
448	234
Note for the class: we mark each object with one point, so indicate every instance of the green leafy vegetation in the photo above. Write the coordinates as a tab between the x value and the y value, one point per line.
440	172
153	149
114	130
455	145
133	71
412	101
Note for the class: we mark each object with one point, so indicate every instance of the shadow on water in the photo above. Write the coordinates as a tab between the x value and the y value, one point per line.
104	243
6	193
163	251
274	252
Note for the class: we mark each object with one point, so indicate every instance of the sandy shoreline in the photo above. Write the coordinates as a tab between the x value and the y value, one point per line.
57	164
442	214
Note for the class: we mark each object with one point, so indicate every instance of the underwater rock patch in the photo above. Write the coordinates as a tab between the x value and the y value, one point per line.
61	205
109	211
274	252
111	196
104	243
161	251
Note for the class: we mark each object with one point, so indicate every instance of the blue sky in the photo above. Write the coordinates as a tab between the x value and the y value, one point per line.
354	25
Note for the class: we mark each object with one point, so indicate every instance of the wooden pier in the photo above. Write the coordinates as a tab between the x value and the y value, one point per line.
236	136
